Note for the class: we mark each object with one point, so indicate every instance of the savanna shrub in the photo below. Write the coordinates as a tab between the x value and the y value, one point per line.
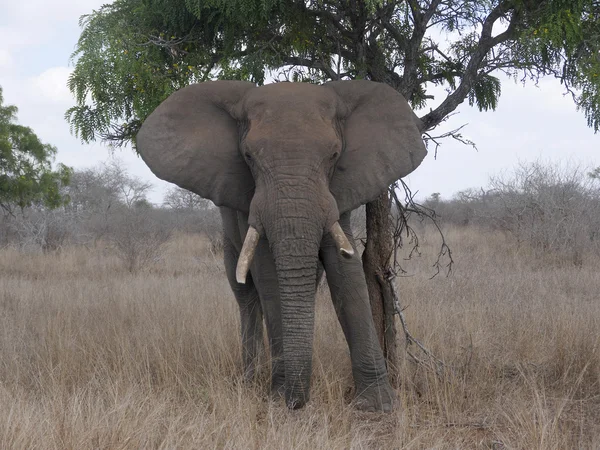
551	208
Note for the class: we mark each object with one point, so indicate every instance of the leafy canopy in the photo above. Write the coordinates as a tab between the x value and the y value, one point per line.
26	174
133	53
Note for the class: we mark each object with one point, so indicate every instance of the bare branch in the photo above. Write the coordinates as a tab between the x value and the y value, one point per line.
432	362
402	226
454	134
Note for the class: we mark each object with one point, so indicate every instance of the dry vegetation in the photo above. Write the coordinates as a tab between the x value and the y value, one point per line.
94	357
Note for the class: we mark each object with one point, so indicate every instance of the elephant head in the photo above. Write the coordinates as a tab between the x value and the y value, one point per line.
292	156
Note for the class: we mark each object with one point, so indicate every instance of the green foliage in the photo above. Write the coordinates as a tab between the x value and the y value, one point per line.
563	40
26	175
133	53
485	93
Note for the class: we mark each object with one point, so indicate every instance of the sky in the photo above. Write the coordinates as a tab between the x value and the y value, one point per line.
531	122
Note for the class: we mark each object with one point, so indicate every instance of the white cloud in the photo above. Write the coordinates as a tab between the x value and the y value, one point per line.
6	60
51	86
29	23
531	123
52	12
36	39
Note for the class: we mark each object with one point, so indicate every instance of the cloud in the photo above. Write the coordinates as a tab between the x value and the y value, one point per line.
6	60
531	123
28	23
51	86
41	96
51	12
36	39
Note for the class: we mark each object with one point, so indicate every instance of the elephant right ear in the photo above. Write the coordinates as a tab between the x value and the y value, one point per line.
192	140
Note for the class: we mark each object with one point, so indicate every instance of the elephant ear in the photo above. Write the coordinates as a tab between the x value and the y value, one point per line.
191	140
382	141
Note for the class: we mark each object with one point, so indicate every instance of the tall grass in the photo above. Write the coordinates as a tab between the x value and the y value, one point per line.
93	357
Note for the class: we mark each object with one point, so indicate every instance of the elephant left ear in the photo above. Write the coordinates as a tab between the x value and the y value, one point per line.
382	141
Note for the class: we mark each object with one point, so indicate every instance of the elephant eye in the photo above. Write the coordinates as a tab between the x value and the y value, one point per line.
335	155
248	156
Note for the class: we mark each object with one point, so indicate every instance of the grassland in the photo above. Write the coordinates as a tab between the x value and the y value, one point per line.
92	357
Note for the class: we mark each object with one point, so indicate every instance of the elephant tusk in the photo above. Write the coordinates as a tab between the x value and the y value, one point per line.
246	255
341	241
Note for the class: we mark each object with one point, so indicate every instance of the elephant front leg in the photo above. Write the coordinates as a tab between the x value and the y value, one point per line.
250	313
252	333
351	301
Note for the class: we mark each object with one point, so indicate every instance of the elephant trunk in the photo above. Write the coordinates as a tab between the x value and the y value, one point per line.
294	228
296	264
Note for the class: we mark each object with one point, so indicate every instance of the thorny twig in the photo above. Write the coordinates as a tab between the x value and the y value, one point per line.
454	134
432	362
402	227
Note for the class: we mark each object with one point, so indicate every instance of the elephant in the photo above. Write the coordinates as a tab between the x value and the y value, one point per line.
287	163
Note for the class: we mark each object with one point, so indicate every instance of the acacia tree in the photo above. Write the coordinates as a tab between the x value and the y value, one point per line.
26	174
133	53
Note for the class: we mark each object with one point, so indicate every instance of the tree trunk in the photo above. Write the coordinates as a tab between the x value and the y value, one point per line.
376	264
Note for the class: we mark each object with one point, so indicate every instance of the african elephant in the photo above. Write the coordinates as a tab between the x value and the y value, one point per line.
286	163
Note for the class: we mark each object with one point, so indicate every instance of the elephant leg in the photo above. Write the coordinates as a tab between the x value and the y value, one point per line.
250	312
265	277
351	302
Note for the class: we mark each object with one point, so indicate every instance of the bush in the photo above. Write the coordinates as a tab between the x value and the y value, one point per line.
137	237
551	208
38	229
193	214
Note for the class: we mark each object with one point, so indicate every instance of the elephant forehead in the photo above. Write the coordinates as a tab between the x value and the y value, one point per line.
285	100
269	136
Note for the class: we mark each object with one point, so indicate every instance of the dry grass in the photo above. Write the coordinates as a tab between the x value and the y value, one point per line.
95	358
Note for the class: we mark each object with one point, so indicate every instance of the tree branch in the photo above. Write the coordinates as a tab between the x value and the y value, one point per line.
311	64
485	44
454	134
412	51
331	18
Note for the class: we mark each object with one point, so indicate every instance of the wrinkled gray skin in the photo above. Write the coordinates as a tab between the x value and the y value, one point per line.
290	159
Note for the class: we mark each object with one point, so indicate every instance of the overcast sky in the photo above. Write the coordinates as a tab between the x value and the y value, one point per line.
531	122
